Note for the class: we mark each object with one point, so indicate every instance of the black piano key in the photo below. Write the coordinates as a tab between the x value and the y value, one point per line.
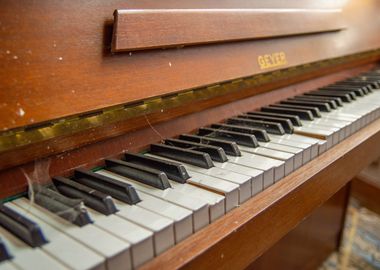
195	158
240	138
145	175
216	153
314	110
303	114
67	208
322	106
92	198
363	79
369	88
23	228
260	134
230	148
345	88
353	82
333	105
364	87
345	97
270	127
338	100
371	81
4	253
285	123
173	170
371	85
351	93
116	189
293	118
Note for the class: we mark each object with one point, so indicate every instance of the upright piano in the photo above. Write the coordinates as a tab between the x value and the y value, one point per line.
183	134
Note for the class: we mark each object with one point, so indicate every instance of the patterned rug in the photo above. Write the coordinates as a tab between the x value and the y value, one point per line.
361	242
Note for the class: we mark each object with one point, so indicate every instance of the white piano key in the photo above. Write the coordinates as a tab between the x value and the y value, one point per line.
343	126
307	153
318	145
199	208
256	175
141	239
183	218
228	189
354	120
348	118
233	172
162	227
224	172
116	252
183	222
303	141
337	133
215	201
288	158
274	170
323	134
26	257
216	174
297	152
8	265
63	248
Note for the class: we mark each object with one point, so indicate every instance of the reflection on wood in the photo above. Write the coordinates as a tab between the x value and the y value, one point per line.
138	29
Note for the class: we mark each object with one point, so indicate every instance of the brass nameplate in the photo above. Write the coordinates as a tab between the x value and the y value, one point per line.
276	59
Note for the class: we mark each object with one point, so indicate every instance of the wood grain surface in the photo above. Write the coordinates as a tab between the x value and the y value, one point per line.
367	192
56	60
138	29
308	245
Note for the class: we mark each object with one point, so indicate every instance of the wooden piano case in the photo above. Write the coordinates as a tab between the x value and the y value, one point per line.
76	86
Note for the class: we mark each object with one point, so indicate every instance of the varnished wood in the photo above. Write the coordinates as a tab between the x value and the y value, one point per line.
56	62
138	29
56	59
238	238
367	192
89	148
308	245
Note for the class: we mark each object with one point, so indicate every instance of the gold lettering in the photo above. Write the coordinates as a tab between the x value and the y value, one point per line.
272	60
283	58
261	61
267	60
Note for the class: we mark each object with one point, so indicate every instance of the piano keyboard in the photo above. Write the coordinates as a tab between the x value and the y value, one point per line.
136	207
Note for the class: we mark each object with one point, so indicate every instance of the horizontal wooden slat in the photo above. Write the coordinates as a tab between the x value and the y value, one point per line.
138	29
235	240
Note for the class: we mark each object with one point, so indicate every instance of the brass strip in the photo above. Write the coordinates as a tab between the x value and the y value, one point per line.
16	138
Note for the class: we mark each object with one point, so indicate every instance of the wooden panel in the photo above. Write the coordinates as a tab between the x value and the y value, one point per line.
312	241
56	59
88	148
367	192
138	29
240	237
